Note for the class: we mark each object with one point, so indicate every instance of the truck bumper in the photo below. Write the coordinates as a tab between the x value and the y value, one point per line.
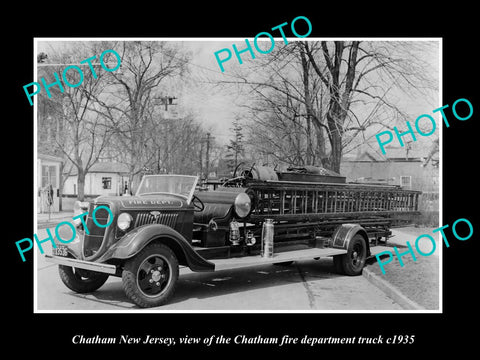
81	264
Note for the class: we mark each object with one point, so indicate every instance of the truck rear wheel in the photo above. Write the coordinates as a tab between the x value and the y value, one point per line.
149	278
353	261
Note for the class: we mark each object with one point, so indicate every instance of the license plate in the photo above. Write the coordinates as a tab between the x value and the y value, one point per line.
60	250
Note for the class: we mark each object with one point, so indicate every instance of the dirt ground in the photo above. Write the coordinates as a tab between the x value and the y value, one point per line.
418	280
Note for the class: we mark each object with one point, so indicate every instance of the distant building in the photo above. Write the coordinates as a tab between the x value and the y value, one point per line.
103	178
412	167
48	183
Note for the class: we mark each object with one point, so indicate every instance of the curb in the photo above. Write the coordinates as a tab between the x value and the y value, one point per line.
52	222
391	291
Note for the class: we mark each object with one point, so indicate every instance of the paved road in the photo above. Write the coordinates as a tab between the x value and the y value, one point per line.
305	285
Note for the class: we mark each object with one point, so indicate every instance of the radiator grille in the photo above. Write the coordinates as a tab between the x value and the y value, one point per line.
93	240
164	218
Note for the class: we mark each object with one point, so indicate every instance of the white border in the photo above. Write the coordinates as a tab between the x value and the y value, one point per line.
159	311
35	177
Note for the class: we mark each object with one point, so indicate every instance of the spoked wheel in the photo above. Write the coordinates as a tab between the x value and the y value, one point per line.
353	261
81	280
149	278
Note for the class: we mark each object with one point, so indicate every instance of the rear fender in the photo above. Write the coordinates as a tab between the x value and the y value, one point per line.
344	234
134	241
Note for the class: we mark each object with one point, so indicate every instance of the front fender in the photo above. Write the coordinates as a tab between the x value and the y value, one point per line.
133	242
344	234
74	248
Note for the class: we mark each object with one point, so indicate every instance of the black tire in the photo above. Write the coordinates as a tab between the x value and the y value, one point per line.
353	261
149	278
80	280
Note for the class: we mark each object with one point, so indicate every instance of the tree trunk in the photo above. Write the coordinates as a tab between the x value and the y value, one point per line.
131	179
310	156
334	122
339	100
336	154
81	184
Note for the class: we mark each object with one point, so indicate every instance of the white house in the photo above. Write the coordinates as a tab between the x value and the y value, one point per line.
103	178
413	167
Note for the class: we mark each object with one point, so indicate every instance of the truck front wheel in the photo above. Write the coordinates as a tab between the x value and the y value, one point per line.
149	278
80	280
353	261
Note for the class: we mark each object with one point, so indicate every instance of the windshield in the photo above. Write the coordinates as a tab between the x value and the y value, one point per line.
183	185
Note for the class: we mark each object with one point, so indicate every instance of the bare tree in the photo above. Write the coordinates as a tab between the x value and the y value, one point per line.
366	72
343	87
283	99
235	148
277	129
79	134
131	106
177	143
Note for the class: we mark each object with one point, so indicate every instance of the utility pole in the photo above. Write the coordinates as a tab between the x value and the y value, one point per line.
207	139
201	158
208	155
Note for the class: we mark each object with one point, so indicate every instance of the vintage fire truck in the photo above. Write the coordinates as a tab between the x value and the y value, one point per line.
172	221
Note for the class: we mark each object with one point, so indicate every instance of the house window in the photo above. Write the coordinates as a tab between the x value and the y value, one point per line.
107	182
406	182
49	175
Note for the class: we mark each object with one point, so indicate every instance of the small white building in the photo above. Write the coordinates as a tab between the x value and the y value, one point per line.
103	178
48	183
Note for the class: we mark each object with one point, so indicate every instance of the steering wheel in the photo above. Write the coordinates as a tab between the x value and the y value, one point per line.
197	203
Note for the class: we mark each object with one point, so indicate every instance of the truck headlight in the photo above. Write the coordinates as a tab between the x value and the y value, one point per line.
124	221
242	205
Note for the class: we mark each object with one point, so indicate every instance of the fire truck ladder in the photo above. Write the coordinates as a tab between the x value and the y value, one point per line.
299	208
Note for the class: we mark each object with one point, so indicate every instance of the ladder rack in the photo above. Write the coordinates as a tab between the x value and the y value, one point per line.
293	201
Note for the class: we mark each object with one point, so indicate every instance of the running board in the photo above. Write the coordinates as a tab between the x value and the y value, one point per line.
305	254
246	261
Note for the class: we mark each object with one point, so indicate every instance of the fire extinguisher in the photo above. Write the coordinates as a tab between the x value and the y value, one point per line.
234	233
267	239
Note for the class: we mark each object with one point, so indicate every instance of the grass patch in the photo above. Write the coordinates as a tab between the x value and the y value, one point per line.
418	280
